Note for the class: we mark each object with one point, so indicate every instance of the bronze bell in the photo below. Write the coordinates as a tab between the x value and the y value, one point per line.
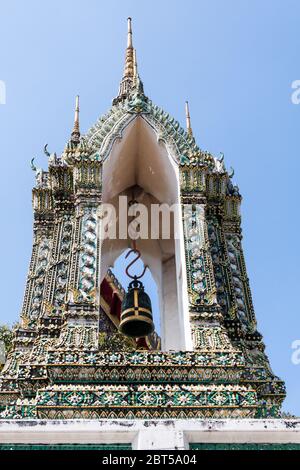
136	312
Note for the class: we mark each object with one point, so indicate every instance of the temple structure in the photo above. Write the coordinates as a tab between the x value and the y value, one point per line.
69	360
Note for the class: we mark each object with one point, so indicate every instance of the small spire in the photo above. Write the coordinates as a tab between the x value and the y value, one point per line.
135	72
188	119
75	135
137	82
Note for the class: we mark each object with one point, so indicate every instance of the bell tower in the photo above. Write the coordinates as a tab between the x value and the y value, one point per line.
79	352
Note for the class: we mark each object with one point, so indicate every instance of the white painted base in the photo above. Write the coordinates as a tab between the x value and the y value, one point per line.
150	434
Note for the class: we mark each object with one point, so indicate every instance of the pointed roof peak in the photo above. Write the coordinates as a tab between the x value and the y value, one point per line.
130	76
188	119
75	135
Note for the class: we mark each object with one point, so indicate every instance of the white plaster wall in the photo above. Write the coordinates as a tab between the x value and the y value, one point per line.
150	434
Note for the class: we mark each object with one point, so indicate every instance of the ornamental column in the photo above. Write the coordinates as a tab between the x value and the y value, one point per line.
208	332
82	307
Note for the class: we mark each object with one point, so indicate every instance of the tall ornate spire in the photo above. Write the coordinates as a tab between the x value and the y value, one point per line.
75	135
129	59
188	119
130	75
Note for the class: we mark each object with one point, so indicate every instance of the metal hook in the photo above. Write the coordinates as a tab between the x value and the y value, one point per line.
138	253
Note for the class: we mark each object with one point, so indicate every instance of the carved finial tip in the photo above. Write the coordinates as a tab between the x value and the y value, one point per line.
129	32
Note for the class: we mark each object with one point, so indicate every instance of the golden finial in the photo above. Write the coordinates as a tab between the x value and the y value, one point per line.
129	60
188	119
130	77
75	136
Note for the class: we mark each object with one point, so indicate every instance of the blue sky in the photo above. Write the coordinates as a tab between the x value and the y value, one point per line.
234	60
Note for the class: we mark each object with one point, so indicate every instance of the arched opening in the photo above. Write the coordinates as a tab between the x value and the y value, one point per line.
140	163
